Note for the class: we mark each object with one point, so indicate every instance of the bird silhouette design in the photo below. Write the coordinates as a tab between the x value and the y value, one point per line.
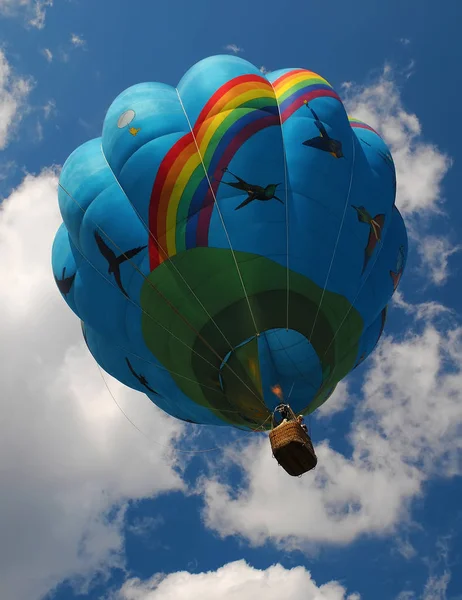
382	324
115	261
324	141
388	160
396	275
141	378
65	283
360	360
375	232
254	192
386	157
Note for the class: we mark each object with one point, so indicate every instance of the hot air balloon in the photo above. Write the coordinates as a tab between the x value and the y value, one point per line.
230	245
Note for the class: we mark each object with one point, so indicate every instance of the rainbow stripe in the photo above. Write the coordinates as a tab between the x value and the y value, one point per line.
294	88
357	124
182	197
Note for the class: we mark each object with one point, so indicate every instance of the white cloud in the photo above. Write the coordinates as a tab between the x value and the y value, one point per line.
14	91
34	10
420	166
67	454
39	9
439	576
7	168
145	526
339	400
49	109
406	430
409	70
9	7
234	48
48	54
405	41
435	253
405	548
235	581
428	311
77	40
38	131
436	587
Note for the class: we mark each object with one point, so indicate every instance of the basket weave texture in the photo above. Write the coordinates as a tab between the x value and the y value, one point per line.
292	448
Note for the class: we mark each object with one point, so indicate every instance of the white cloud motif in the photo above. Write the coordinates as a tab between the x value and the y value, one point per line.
236	581
420	166
14	92
33	10
68	457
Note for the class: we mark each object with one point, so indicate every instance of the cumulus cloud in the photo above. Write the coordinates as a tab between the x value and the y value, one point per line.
235	581
33	10
69	460
14	91
435	253
420	165
427	311
339	400
406	429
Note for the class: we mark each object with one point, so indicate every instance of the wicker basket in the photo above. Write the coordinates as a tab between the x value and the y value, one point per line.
292	448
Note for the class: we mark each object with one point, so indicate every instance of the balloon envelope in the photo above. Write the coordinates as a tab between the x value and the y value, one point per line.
231	242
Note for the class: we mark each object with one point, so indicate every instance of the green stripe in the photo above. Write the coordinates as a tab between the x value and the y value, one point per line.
299	86
198	173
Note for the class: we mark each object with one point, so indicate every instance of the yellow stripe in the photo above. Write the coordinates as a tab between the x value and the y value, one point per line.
287	84
212	125
207	130
233	102
235	92
209	127
191	164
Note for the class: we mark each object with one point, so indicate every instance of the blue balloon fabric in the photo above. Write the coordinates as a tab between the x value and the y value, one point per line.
230	243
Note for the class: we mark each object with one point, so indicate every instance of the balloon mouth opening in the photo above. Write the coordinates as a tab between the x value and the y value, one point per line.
281	364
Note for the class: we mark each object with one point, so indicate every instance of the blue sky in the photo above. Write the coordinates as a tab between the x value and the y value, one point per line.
92	509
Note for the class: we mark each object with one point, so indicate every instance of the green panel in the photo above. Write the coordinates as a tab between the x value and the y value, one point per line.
212	274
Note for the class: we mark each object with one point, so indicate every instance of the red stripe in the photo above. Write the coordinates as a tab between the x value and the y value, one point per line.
287	75
359	125
222	91
162	173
